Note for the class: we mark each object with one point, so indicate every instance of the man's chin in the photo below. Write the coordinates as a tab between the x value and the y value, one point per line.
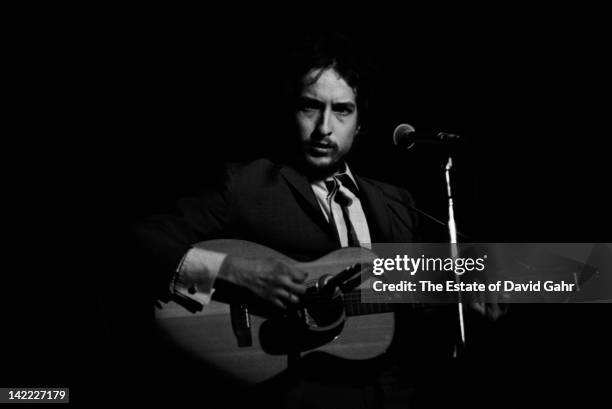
321	164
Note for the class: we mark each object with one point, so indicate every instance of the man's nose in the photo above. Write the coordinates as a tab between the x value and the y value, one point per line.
324	126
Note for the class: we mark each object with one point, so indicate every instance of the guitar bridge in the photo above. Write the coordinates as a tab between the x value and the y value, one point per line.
241	324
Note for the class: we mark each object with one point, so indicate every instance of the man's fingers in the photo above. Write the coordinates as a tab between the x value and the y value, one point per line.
299	276
497	306
495	311
279	303
292	287
478	306
477	302
294	274
288	297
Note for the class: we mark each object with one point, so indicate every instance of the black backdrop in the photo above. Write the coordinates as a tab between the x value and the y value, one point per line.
156	107
527	104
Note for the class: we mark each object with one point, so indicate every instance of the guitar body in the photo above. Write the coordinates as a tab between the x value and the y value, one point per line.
208	335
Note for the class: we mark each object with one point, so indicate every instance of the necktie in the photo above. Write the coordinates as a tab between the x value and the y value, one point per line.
344	201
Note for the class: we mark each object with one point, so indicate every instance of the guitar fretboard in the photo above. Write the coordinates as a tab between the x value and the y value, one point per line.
366	302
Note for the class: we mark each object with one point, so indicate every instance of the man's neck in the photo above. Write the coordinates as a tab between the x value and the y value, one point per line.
314	174
310	172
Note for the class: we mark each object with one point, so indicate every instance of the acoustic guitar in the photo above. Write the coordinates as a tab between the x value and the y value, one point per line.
243	339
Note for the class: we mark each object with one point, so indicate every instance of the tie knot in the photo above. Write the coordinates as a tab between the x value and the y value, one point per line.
333	187
346	181
341	180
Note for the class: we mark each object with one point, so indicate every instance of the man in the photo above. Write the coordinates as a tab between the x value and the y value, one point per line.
305	204
283	203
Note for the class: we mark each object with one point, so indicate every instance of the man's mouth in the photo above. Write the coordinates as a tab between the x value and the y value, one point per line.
321	148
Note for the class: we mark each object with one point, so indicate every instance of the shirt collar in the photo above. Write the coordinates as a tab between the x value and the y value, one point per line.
343	170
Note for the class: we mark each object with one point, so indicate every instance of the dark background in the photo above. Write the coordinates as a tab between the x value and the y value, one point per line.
527	103
141	112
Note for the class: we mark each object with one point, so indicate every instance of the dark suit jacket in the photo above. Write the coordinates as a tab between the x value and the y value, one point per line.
273	205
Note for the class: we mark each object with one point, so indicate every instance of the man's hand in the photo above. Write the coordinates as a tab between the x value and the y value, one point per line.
269	279
490	305
492	311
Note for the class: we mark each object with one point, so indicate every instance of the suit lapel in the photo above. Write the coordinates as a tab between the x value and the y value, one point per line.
301	186
373	202
375	207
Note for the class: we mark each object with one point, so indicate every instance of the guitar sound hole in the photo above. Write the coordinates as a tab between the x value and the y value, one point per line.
322	311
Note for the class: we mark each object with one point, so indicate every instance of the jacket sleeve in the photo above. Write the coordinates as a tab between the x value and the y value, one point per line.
156	246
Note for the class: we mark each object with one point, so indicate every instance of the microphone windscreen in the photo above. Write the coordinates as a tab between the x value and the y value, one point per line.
400	131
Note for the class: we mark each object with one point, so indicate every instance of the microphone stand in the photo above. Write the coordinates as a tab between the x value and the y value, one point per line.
403	133
452	231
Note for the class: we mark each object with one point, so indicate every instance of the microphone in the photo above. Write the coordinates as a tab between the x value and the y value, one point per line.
405	136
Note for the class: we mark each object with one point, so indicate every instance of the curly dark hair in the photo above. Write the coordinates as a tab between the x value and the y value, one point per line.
323	51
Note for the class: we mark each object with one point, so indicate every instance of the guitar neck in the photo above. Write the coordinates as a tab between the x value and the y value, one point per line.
366	302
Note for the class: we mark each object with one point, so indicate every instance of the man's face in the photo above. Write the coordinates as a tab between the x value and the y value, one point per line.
326	117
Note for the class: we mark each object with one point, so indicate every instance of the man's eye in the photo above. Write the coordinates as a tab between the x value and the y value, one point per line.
344	111
306	106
